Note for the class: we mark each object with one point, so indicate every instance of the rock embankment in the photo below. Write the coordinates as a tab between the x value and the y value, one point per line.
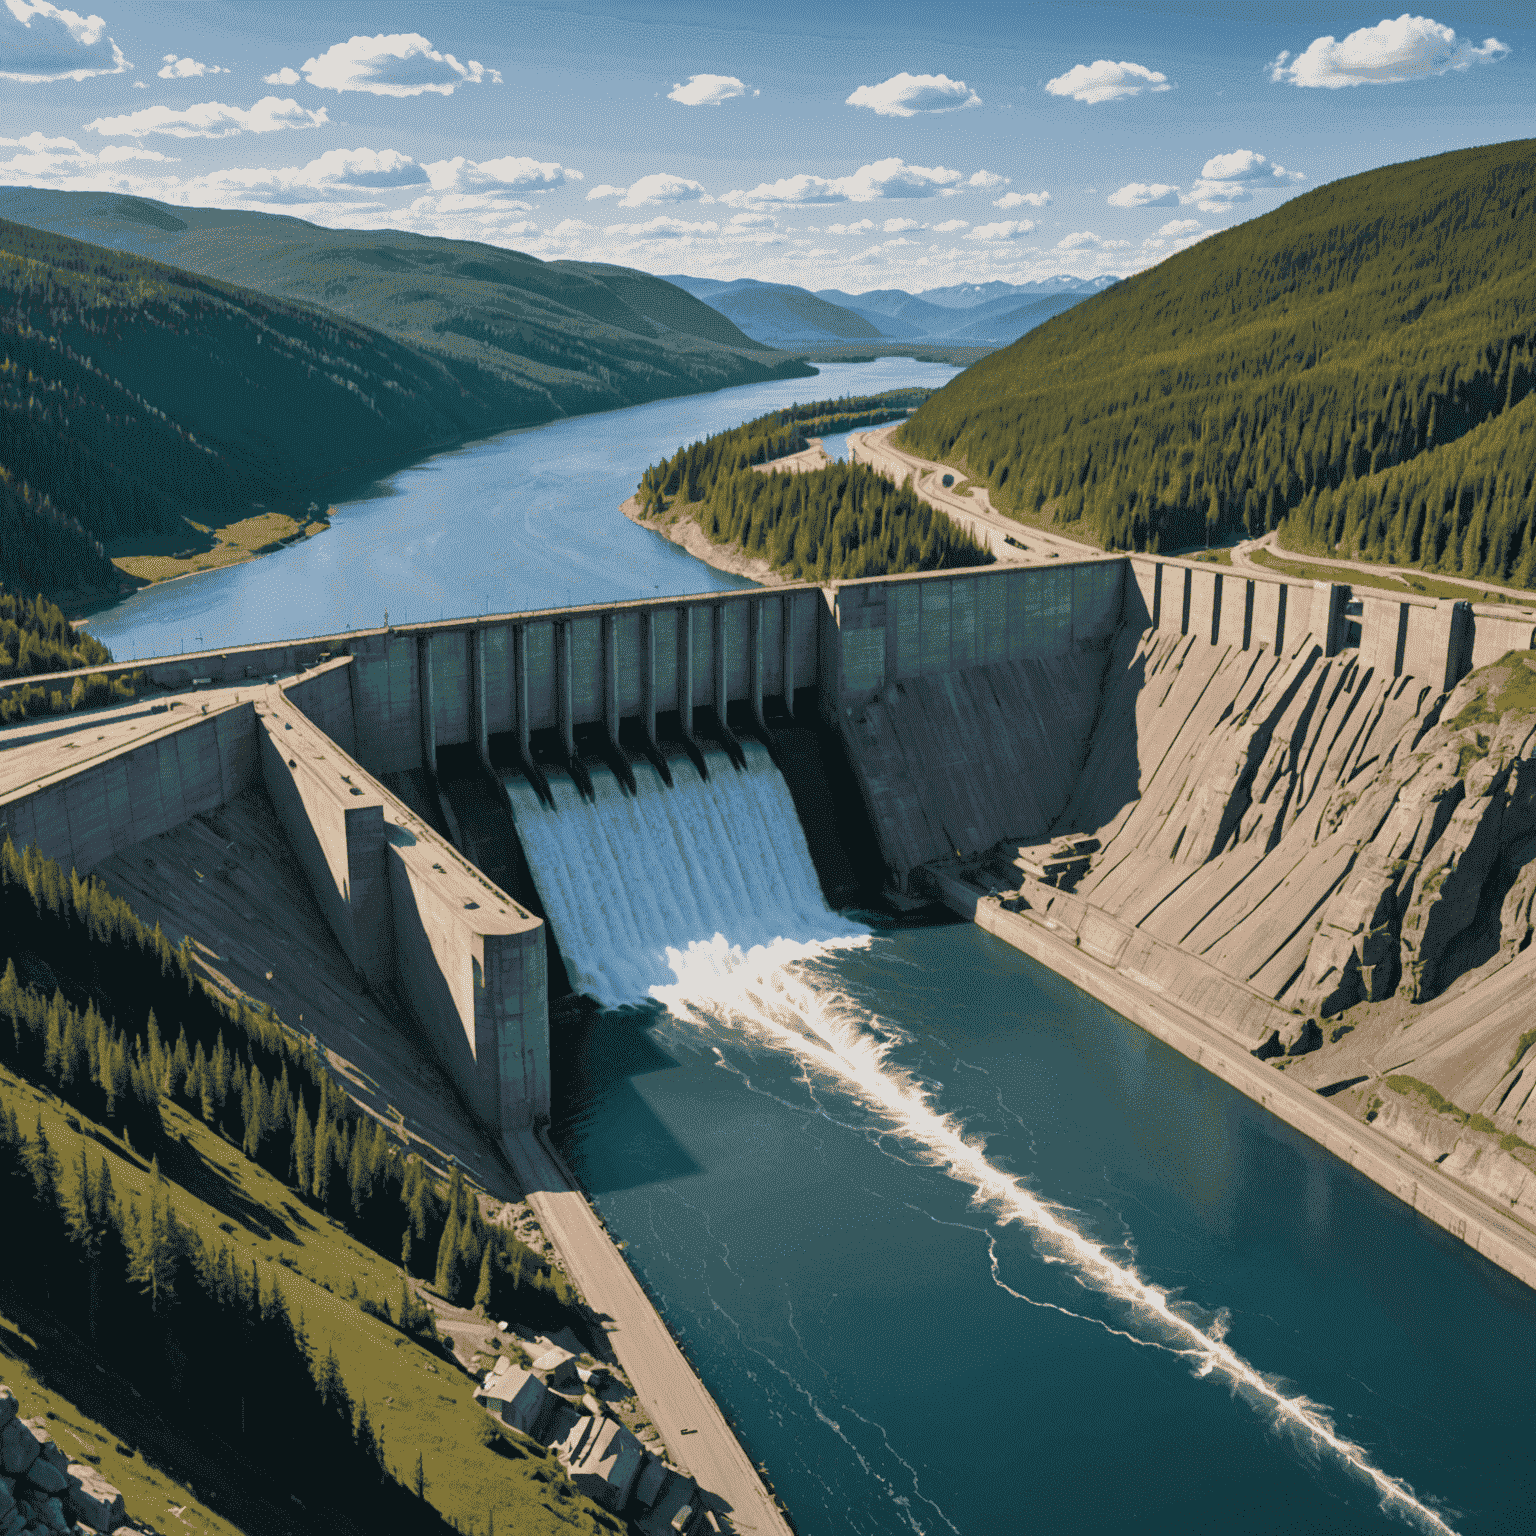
44	1493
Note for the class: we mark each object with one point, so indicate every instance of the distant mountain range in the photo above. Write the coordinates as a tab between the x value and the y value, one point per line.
977	314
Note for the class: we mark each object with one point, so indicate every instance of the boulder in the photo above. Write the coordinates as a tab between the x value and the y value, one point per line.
46	1443
43	1474
93	1499
8	1408
18	1450
12	1523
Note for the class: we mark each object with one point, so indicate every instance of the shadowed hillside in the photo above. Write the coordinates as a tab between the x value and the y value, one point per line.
1349	368
536	339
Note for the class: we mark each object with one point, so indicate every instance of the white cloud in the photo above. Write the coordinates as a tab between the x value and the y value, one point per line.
897	226
1019	199
1079	240
1104	80
1391	52
949	226
1140	194
884	178
988	180
284	76
752	220
906	95
1176	227
851	229
707	90
190	69
1243	165
514	172
1005	229
392	64
1214	196
211	120
41	42
335	173
662	227
660	188
44	158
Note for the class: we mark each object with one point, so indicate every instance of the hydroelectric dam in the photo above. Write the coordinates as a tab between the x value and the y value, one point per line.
419	834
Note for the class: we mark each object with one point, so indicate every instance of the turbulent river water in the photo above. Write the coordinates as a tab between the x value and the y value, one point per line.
958	1248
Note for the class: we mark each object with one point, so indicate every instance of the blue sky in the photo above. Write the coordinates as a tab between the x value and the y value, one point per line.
854	146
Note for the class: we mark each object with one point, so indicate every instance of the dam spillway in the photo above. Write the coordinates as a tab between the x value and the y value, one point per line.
626	877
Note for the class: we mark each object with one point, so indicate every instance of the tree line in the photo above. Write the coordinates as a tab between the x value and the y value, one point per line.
128	1027
1348	369
212	1346
835	523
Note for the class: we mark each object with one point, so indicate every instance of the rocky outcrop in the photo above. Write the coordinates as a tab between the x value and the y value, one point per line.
1446	832
42	1492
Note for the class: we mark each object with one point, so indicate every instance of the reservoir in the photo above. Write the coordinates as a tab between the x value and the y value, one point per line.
957	1248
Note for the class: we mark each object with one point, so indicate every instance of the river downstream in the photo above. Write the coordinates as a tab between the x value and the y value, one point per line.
850	1203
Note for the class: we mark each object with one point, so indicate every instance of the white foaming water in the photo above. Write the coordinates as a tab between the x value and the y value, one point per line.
623	877
711	885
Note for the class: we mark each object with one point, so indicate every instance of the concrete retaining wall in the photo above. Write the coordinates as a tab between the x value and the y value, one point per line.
96	807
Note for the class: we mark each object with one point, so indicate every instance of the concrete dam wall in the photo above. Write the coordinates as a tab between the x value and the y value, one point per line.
1206	728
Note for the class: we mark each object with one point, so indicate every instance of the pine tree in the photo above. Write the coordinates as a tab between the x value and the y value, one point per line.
483	1288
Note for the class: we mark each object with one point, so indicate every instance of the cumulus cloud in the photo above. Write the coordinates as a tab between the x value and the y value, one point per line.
707	90
660	188
897	226
1079	240
1104	80
41	158
334	174
211	120
891	178
514	172
1390	53
851	229
391	64
906	95
1176	227
189	69
1232	178
949	226
284	76
663	227
1005	229
987	180
1019	199
41	42
752	220
1141	194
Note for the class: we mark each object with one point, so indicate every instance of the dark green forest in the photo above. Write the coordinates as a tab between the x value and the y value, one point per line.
36	638
836	523
1353	369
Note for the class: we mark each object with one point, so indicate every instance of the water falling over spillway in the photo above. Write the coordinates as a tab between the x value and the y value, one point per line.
626	878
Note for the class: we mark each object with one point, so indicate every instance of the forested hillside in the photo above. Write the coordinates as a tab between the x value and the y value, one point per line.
221	1182
1350	369
836	523
536	339
134	396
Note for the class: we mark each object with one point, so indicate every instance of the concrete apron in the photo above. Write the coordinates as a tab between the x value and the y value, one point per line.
1431	1192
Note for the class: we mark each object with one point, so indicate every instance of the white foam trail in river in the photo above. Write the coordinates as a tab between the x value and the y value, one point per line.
711	884
769	993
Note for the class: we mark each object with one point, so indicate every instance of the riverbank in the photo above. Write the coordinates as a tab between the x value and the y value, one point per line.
1432	1193
204	547
682	528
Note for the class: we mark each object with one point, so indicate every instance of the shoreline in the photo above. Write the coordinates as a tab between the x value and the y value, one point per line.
1452	1206
684	531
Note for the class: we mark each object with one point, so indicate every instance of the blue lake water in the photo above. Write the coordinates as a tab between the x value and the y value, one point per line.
522	521
905	1354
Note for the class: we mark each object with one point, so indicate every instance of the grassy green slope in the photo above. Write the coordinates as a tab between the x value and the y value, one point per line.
544	339
1349	367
